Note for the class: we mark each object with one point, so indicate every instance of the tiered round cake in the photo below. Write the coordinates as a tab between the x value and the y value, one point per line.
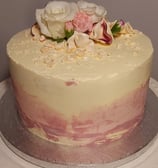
80	79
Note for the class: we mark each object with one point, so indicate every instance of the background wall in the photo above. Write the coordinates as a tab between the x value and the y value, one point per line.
20	14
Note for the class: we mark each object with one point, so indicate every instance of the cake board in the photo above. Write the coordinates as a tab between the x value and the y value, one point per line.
45	154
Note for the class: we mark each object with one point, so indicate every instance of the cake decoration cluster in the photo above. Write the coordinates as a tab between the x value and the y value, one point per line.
80	24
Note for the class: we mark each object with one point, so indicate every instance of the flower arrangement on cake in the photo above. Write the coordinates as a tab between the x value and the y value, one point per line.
79	24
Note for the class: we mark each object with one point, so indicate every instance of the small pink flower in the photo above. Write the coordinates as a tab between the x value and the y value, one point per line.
82	22
69	26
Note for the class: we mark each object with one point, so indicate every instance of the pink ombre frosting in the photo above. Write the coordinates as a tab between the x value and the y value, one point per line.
96	125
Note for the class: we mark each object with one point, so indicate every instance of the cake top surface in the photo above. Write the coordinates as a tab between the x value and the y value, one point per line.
75	40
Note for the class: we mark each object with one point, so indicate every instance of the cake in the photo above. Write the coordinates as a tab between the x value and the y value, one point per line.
78	78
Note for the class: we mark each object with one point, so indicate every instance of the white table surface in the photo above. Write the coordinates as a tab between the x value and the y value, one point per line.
149	159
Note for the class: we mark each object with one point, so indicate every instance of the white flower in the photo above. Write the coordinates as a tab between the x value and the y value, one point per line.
52	18
79	40
56	29
96	12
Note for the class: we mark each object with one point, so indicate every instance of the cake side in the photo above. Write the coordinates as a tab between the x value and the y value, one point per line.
97	125
59	109
78	92
82	76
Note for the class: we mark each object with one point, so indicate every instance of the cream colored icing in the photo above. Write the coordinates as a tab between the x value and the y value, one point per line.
103	73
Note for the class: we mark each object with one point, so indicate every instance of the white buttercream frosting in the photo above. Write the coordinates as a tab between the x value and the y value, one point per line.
126	52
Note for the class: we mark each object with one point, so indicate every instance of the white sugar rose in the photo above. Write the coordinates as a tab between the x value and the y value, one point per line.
96	12
52	18
80	40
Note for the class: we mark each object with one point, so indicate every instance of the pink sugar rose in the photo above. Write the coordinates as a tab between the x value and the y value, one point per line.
82	22
102	32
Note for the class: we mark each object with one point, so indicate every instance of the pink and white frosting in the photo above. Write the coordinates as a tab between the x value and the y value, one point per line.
80	79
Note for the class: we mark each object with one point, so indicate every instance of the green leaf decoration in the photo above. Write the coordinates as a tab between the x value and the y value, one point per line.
116	28
59	40
68	34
